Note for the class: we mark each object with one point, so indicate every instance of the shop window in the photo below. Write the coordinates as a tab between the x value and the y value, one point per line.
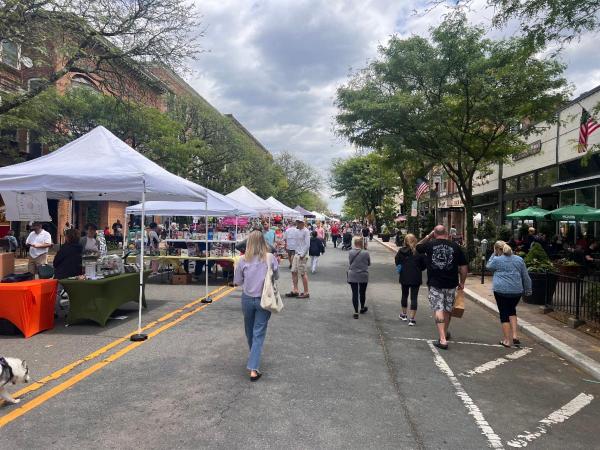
572	170
9	54
527	182
567	198
546	177
586	196
511	185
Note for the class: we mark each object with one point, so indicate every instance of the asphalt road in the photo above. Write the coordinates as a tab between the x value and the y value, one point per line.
329	381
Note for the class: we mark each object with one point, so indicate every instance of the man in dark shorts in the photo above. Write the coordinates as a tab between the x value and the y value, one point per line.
445	260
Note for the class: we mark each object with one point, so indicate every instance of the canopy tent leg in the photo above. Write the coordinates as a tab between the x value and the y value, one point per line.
125	231
235	238
139	336
206	298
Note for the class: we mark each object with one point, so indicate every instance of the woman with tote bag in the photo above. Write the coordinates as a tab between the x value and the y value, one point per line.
250	272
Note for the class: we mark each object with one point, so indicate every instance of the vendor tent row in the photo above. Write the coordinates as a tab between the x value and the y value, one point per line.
123	174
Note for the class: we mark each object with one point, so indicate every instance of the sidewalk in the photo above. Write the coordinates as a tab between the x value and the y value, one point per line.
575	346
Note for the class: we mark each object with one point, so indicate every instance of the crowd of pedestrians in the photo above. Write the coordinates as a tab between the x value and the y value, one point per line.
437	253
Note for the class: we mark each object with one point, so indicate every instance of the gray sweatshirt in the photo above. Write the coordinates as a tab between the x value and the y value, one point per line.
359	260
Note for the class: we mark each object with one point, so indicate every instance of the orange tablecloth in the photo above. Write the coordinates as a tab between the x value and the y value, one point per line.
29	305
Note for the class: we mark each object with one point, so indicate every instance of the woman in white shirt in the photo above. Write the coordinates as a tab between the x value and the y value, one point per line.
89	243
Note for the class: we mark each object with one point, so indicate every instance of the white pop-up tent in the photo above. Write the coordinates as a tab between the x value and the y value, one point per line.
282	209
99	166
216	205
249	198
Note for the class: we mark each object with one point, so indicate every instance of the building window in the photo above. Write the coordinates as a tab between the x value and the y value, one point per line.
546	177
9	54
586	196
572	170
567	198
512	185
527	182
81	82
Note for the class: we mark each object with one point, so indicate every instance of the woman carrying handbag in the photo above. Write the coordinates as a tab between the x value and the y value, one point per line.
256	272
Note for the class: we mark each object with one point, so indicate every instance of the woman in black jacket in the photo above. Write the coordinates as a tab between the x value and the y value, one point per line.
67	262
411	265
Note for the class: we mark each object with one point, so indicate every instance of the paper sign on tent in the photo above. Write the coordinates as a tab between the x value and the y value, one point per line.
26	206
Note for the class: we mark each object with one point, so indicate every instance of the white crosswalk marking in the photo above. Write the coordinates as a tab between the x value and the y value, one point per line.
493	439
496	362
558	416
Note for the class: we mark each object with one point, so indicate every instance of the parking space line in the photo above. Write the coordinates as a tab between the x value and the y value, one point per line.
481	344
69	367
558	416
490	365
493	439
45	396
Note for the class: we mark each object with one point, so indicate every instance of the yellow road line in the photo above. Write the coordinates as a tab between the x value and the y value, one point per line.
45	396
69	367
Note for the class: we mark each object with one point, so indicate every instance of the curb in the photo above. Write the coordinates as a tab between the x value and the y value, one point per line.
575	357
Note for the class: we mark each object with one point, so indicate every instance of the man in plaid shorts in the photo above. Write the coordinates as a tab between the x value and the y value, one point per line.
445	260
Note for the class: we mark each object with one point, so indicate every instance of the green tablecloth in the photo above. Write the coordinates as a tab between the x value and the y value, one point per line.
96	300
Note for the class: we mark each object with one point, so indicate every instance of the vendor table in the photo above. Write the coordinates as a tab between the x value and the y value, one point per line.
96	300
29	305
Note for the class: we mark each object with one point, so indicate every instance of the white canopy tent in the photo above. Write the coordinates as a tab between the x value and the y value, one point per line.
250	199
282	209
99	166
215	205
319	216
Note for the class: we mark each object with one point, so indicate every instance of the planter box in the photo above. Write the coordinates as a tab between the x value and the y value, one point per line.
539	286
569	274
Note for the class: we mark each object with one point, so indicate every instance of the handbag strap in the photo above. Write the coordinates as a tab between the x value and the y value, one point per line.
353	259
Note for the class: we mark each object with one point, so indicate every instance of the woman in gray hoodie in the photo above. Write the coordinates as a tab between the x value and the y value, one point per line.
358	274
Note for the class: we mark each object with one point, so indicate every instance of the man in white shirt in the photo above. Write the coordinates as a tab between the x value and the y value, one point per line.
302	243
39	242
290	242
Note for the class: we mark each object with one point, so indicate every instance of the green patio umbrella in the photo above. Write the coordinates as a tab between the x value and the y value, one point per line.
533	212
577	212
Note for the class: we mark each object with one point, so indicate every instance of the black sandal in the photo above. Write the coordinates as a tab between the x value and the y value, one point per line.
256	378
504	345
517	343
438	344
364	310
356	315
292	294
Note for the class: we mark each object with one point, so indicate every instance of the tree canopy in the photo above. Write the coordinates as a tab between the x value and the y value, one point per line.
457	99
98	37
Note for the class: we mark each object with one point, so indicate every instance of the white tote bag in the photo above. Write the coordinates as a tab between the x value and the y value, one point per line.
270	298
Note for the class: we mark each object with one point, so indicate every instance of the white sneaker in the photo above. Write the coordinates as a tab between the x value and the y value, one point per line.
412	323
403	317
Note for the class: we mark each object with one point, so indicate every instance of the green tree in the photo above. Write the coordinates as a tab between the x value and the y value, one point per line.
101	38
221	161
301	179
545	21
364	180
455	99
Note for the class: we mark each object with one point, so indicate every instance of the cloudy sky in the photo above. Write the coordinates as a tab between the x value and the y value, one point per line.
275	64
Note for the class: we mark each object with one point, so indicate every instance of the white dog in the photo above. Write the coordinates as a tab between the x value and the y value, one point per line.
13	371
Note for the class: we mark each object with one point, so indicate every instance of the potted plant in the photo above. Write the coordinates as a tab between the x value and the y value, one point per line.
385	233
543	278
568	269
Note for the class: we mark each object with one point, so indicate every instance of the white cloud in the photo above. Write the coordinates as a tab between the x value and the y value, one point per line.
275	64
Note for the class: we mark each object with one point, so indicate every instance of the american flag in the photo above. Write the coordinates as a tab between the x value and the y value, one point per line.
587	126
422	187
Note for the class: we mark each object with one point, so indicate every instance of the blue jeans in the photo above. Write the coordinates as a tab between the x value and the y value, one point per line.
255	323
